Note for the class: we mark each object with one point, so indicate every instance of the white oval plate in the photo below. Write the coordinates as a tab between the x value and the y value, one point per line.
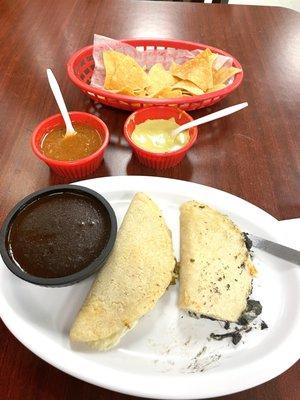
163	356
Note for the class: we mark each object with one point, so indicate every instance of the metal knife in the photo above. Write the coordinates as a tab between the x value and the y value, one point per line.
276	249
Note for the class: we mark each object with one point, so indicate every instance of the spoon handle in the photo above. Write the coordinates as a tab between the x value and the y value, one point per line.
60	101
210	117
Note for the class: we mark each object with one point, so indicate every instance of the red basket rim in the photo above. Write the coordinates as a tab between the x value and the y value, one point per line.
79	162
181	100
184	149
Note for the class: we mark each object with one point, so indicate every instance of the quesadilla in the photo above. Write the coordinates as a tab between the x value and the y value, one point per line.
216	270
136	275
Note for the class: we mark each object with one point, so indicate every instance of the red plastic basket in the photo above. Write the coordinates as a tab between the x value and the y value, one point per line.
81	65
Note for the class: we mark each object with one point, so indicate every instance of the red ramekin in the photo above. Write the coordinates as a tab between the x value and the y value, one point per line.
71	169
159	160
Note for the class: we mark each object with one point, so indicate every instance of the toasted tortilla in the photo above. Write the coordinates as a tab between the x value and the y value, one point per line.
135	276
123	73
159	79
215	267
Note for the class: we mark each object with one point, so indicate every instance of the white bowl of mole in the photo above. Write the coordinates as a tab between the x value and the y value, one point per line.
58	236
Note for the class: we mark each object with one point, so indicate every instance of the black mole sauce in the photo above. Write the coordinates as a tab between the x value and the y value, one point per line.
58	235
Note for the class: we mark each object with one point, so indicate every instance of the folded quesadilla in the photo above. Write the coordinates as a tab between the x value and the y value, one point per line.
215	266
136	275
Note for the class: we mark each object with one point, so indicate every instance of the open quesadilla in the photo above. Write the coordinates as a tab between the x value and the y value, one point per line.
136	275
216	270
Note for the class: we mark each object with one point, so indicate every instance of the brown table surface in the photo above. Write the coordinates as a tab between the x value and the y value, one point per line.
253	154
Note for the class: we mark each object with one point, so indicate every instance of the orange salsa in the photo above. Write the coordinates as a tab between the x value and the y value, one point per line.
57	146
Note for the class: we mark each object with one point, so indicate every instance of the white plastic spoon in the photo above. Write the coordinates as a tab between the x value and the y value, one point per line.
208	118
61	103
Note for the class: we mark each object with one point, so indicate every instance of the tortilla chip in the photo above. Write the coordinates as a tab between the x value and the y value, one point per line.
188	87
194	77
168	93
223	74
197	70
208	55
123	71
216	87
173	68
125	90
159	78
142	93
